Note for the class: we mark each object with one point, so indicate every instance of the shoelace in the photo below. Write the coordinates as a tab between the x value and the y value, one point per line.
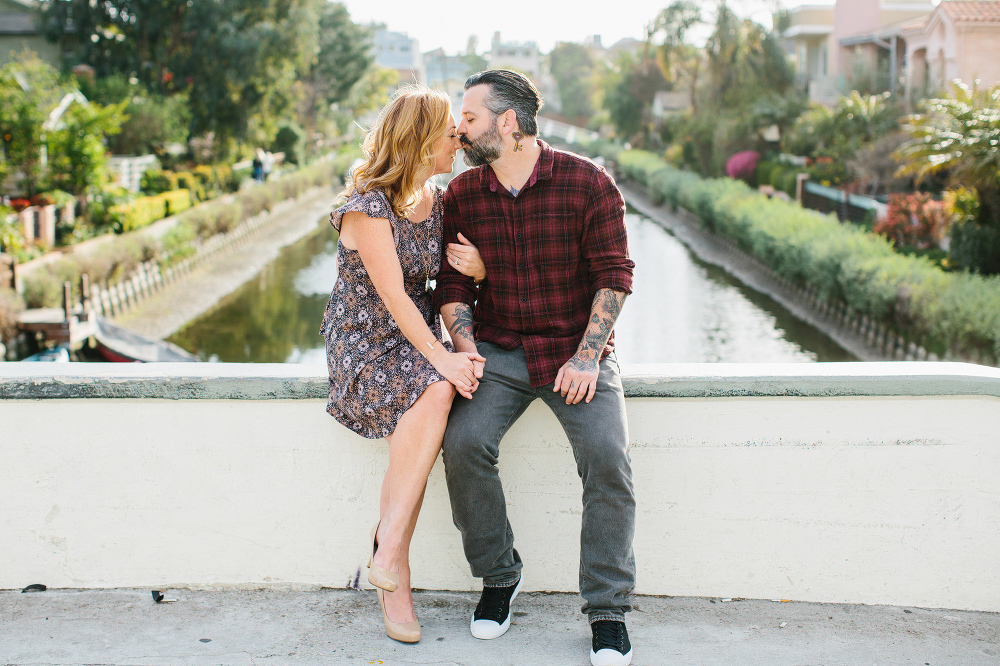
609	635
491	605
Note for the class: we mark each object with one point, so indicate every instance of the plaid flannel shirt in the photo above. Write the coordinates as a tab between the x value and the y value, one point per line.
547	251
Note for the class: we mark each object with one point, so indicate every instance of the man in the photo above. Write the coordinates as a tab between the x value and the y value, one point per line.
550	228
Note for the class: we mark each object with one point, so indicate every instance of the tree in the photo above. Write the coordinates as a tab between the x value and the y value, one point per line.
745	62
154	121
72	145
237	60
960	135
77	155
573	69
629	89
678	60
343	58
29	89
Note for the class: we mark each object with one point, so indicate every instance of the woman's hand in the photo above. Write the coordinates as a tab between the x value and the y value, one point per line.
464	258
458	368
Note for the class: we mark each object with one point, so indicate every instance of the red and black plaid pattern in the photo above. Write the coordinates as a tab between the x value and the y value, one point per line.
547	251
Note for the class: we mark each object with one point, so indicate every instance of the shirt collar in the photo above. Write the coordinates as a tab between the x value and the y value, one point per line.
542	170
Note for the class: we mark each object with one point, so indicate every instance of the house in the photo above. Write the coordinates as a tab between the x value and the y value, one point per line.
399	52
19	31
808	42
958	40
520	56
848	45
447	73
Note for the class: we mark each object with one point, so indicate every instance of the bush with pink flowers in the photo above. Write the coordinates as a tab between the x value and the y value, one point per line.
743	164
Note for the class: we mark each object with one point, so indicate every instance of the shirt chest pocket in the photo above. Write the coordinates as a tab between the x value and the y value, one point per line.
554	238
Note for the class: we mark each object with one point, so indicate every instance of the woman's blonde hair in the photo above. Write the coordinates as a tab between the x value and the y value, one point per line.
400	147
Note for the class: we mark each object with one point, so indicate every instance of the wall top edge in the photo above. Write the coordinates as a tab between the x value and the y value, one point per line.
280	381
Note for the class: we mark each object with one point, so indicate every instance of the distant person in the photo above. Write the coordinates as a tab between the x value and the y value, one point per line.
267	164
257	168
550	227
391	375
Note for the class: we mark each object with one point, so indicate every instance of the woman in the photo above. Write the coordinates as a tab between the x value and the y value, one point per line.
391	375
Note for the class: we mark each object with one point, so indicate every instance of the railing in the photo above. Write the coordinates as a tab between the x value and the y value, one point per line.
851	207
865	483
547	127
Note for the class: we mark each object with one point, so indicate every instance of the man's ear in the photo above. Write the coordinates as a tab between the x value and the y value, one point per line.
508	122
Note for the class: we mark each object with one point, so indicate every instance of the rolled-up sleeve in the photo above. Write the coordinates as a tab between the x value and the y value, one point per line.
605	241
452	286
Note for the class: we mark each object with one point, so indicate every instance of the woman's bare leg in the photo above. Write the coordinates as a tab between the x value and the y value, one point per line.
413	448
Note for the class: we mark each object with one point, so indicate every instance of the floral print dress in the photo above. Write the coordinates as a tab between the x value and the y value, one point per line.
375	373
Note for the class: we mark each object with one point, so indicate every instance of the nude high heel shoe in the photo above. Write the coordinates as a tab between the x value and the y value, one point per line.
404	633
378	576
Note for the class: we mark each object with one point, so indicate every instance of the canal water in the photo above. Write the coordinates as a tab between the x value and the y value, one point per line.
682	310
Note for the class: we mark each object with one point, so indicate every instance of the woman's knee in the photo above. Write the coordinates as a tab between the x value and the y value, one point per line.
437	398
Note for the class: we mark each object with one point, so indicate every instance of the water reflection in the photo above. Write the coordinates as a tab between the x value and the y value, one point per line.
685	311
682	311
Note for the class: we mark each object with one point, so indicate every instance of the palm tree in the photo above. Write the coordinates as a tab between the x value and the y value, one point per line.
961	134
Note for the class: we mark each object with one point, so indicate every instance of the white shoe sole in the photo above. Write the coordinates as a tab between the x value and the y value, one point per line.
609	657
488	629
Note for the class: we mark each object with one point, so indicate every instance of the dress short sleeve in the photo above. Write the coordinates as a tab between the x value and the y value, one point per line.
373	203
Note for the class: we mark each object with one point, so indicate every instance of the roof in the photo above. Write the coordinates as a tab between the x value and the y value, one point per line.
971	10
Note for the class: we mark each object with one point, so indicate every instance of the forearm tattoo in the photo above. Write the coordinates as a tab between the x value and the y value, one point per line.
604	312
462	326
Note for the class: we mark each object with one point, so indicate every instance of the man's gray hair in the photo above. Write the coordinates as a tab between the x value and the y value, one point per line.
510	90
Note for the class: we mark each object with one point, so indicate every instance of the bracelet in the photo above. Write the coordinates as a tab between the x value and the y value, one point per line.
430	345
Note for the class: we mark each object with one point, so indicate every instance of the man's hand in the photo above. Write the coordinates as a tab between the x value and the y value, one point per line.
577	378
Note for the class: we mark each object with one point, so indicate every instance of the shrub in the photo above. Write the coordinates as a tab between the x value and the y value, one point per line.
177	201
290	141
742	165
138	214
914	220
156	181
187	181
639	165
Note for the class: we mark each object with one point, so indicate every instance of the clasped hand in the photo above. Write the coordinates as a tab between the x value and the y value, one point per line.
462	369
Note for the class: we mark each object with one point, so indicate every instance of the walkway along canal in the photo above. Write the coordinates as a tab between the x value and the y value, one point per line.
682	310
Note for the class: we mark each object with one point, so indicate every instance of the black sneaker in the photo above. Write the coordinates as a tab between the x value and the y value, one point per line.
492	616
610	646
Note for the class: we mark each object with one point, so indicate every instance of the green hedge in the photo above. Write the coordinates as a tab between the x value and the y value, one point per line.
944	310
139	213
177	201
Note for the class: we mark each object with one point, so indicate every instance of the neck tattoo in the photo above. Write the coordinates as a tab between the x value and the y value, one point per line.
517	141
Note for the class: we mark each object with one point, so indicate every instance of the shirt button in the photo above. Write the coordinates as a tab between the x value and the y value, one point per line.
519	235
482	221
524	300
521	267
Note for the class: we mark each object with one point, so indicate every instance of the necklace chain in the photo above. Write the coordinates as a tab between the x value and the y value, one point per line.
426	260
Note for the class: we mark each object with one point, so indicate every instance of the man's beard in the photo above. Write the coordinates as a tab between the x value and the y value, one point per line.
484	150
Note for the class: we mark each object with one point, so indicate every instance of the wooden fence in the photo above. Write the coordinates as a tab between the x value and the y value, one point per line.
152	276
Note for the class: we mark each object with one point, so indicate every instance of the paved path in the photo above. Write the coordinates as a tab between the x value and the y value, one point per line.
327	626
170	309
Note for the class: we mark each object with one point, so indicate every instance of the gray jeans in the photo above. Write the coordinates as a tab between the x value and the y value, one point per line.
598	434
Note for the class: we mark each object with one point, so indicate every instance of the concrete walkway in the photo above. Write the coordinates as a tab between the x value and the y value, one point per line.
328	626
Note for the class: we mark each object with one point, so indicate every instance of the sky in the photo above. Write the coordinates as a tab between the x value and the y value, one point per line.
448	24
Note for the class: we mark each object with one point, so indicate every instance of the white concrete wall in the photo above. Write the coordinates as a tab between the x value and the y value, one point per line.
861	483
